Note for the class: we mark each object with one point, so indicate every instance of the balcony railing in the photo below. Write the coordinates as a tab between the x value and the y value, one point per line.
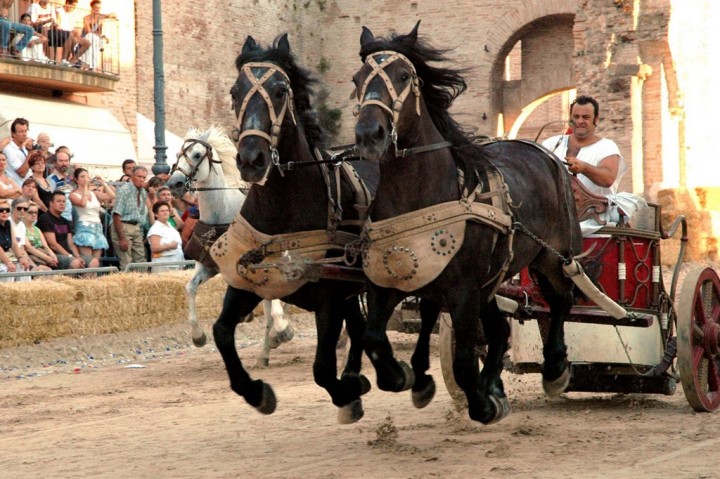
101	56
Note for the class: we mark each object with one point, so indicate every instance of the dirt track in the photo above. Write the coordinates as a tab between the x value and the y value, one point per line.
73	408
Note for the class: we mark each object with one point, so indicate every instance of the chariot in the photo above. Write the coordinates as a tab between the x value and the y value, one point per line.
663	339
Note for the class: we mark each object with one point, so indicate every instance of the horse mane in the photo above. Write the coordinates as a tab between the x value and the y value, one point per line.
223	148
440	87
301	82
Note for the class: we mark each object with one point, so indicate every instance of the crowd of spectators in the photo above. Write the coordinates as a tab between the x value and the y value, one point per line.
54	32
54	215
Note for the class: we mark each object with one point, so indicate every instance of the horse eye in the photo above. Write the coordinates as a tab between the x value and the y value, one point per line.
196	156
280	93
404	77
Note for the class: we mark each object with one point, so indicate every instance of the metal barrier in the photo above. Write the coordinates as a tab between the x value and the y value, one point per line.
148	265
60	272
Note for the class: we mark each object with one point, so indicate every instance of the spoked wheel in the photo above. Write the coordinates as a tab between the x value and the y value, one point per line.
447	357
698	329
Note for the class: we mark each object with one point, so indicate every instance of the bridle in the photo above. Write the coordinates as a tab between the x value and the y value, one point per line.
396	99
190	175
275	117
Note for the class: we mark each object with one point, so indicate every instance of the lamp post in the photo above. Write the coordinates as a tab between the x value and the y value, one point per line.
160	165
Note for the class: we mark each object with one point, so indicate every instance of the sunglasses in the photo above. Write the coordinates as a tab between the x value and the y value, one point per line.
4	210
33	212
21	208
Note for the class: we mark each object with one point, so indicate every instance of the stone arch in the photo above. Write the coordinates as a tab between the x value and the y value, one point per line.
546	61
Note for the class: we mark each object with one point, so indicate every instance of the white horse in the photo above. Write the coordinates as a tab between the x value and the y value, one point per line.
206	165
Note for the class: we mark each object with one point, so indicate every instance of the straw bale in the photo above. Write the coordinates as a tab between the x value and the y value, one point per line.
30	293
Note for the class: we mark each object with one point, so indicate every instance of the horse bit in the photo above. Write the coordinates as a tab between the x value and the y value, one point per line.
397	100
276	118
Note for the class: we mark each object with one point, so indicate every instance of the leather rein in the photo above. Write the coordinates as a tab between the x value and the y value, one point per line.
378	66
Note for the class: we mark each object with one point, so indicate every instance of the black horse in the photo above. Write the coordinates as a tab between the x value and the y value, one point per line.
276	126
427	159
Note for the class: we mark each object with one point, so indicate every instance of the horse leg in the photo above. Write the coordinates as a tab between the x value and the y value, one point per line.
423	389
200	276
236	305
494	403
556	370
282	331
392	375
264	359
345	393
353	330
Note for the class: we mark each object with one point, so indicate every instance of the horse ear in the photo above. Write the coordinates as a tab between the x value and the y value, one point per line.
366	36
413	35
249	44
283	43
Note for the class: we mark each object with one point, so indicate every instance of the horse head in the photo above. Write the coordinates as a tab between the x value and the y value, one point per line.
397	89
198	160
263	102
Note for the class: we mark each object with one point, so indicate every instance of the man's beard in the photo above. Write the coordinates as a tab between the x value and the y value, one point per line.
62	169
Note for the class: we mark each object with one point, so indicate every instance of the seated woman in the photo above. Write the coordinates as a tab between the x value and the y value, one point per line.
43	189
36	246
93	33
165	241
89	236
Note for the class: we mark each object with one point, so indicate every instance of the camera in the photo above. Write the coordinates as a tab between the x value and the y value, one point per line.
37	146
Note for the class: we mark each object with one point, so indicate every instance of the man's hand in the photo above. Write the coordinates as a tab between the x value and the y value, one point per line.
124	244
575	166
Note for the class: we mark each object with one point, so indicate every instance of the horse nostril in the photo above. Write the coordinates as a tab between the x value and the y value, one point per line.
380	133
259	160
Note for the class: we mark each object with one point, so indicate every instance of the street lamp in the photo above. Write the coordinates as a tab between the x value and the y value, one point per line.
160	165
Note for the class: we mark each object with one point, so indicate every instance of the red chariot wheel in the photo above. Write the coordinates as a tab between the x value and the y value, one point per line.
698	329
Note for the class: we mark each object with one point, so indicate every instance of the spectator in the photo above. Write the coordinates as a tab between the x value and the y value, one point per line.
71	27
36	246
8	188
59	180
164	195
6	25
58	233
89	237
130	214
127	167
42	185
92	31
35	49
19	210
43	16
9	251
30	193
43	140
152	186
164	239
15	149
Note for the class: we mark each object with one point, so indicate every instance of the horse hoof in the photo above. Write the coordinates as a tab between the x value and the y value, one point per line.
268	403
559	385
263	362
502	409
365	385
409	376
276	339
201	341
425	396
351	413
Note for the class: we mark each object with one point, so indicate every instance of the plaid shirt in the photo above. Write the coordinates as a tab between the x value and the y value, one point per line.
130	203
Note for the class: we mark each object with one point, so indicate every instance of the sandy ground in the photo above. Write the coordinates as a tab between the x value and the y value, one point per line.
149	405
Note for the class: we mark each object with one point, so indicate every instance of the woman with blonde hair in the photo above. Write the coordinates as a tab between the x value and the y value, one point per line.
89	236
